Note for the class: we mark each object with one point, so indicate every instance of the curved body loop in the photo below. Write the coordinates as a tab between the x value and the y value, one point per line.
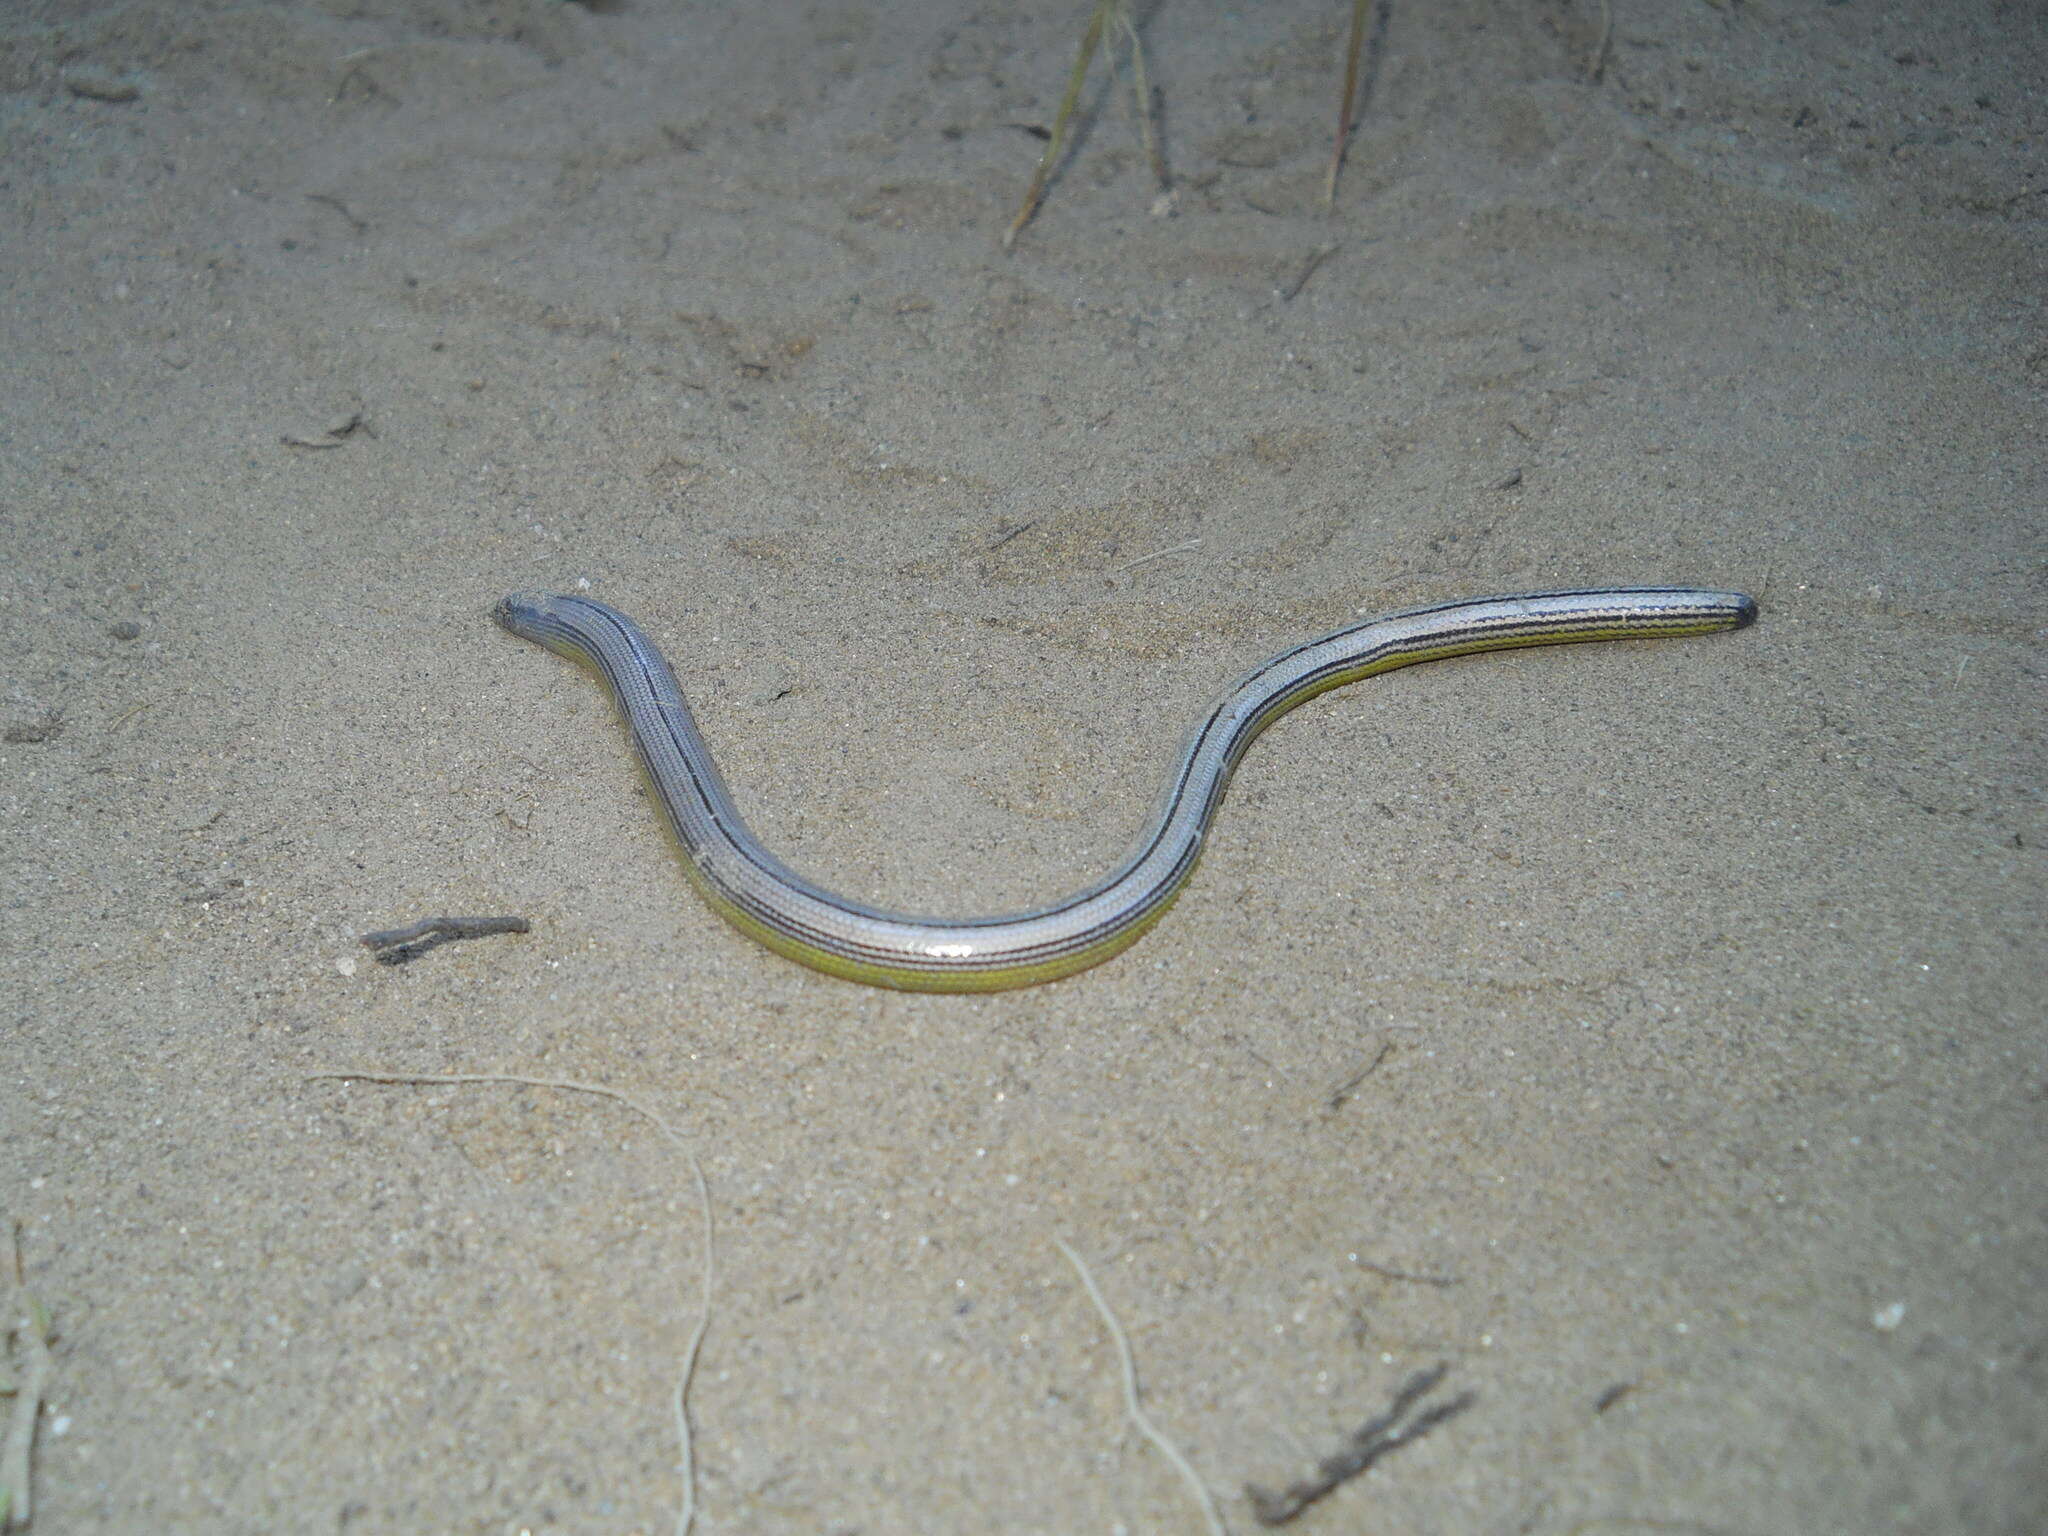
790	914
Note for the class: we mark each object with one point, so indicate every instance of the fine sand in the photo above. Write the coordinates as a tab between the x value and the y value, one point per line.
1651	1033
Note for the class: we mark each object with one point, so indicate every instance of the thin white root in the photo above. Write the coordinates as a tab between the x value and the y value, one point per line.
1146	1428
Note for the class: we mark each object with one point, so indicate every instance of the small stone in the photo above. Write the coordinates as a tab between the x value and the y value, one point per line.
98	85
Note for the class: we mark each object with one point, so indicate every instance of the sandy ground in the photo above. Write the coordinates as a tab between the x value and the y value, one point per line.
1650	1032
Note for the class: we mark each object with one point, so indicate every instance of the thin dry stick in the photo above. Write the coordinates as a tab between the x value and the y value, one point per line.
1344	105
1596	63
687	1516
29	1324
445	928
1054	145
1130	1373
1161	554
1367	1444
1143	90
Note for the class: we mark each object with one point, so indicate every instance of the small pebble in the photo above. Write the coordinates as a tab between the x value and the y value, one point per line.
98	85
125	629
